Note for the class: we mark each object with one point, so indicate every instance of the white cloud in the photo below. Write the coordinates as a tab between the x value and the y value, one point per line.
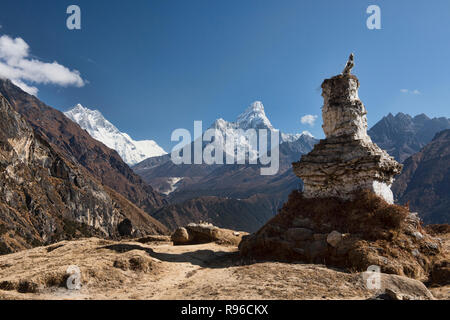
410	91
24	71
309	119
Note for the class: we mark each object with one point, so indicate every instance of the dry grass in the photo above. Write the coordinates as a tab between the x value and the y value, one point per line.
158	270
374	233
367	215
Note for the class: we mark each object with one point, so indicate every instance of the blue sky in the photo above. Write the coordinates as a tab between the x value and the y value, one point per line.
153	66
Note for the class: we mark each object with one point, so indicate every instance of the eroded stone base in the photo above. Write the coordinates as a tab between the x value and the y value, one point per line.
353	234
347	192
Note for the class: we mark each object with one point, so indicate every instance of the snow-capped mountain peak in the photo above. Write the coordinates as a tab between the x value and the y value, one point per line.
101	129
254	117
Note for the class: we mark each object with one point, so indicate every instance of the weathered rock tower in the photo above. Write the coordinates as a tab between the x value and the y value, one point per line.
335	221
347	160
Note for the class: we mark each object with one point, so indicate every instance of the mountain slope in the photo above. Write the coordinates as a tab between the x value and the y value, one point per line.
46	198
99	128
247	214
212	179
225	194
67	137
425	180
402	135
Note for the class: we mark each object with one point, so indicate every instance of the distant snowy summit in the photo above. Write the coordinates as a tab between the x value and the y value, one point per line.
254	117
99	128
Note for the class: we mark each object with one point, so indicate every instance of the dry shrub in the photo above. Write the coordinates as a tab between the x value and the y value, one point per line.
367	214
374	232
136	263
26	286
56	279
7	286
437	229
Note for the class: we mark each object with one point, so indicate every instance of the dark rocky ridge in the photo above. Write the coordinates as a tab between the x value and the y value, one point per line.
76	144
246	214
46	198
425	181
402	135
229	196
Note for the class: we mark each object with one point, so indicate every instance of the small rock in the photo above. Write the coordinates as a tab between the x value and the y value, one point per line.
202	232
417	235
180	236
440	273
392	295
125	228
334	238
415	252
430	248
401	288
433	246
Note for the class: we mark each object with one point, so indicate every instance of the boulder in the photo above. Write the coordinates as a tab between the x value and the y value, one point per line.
125	228
394	287
334	238
440	274
180	236
198	233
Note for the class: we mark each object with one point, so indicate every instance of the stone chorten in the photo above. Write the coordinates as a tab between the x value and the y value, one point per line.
347	160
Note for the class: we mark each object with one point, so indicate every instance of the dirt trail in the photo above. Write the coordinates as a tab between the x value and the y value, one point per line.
159	270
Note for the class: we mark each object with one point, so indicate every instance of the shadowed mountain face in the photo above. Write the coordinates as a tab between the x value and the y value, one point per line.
402	135
246	214
76	144
425	181
45	197
237	181
231	195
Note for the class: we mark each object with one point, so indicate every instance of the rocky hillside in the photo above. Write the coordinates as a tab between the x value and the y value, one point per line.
229	196
76	144
246	214
425	181
402	135
225	194
45	197
237	181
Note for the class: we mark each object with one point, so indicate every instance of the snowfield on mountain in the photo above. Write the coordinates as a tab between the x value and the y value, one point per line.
131	151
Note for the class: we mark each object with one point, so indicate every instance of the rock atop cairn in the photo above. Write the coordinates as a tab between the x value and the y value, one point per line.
345	216
347	160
